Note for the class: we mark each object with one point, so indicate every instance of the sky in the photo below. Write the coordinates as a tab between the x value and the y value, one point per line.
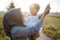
24	4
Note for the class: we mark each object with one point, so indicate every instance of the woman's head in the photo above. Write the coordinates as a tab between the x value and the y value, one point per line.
14	17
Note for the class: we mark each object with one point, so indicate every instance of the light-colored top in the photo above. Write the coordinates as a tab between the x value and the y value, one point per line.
31	20
21	33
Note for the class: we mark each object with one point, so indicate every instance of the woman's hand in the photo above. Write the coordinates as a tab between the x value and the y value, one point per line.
35	36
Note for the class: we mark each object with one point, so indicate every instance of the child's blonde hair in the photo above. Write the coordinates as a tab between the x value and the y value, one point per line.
35	5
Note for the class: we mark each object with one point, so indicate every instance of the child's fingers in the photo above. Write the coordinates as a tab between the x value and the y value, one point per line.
48	6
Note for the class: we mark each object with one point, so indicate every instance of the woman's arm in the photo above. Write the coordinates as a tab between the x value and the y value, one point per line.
25	31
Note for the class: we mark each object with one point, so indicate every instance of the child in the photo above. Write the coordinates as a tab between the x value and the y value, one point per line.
32	18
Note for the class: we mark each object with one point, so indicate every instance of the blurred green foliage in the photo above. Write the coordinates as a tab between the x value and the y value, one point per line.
51	27
2	34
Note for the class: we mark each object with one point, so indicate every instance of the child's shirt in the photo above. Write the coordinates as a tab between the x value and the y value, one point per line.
31	20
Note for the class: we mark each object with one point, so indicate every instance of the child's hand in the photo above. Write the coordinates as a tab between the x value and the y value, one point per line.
47	10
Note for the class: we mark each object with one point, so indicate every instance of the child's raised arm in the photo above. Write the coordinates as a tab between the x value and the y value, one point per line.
46	11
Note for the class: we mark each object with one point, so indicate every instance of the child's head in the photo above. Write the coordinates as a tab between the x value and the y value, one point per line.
34	8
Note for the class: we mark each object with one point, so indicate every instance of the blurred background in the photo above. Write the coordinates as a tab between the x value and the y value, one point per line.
51	27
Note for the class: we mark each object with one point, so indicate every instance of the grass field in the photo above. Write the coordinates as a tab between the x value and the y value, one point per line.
51	26
49	20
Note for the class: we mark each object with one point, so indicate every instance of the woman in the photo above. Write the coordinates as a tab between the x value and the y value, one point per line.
15	28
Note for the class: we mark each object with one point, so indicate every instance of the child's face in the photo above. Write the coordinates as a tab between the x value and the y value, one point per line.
34	10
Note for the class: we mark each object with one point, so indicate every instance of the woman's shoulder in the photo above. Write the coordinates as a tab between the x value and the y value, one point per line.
15	28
